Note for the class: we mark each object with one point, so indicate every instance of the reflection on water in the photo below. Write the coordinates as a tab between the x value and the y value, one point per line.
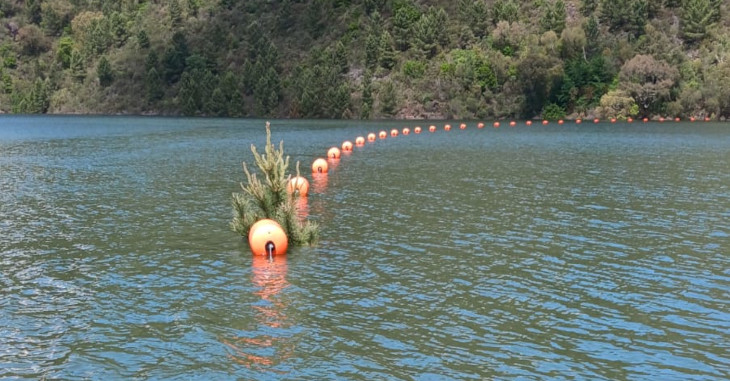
269	348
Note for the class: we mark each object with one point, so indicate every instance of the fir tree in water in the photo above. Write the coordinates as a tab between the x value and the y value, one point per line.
269	198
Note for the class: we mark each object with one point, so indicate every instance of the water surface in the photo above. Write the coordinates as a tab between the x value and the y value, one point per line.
558	252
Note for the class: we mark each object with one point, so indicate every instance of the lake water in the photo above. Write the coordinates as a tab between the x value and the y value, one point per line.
543	252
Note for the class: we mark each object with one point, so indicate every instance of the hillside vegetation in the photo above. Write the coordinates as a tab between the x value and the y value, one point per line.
367	58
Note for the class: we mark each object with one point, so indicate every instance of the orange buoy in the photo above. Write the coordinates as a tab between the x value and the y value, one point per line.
677	119
578	121
645	120
320	166
417	129
431	128
347	146
480	125
447	127
371	137
707	119
661	119
560	121
360	141
406	131
544	122
691	118
394	132
496	124
596	120
298	184
613	120
512	123
382	135
630	120
333	153
266	237
462	126
529	123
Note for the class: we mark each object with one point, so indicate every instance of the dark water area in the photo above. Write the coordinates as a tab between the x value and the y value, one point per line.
543	252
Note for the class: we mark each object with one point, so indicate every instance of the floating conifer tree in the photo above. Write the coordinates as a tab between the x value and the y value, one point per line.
269	198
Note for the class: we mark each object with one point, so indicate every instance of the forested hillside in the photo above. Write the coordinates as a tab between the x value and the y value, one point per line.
367	58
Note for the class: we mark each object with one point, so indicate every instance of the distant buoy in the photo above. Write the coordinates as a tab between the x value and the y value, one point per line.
371	137
560	121
677	119
333	153
544	122
480	125
512	123
613	120
596	120
691	118
406	131
661	119
496	124
360	141
645	120
266	237
707	119
578	121
447	127
382	135
298	184
431	128
346	146
417	129
394	132
320	166
462	126
630	120
529	123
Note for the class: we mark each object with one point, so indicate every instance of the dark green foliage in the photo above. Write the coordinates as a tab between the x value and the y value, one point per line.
77	65
505	10
553	112
583	83
36	101
175	57
143	40
63	53
405	15
320	89
104	72
367	96
34	11
388	98
626	15
153	85
428	32
414	69
387	54
697	16
372	50
588	7
553	17
175	12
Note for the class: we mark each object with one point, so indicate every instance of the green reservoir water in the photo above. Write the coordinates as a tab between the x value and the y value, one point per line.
597	252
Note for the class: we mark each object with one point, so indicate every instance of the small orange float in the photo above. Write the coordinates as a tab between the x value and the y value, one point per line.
512	123
578	121
496	124
417	129
630	120
406	131
661	119
462	126
320	166
447	127
707	119
360	141
333	153
560	121
596	120
382	135
480	125
394	132
347	146
371	137
529	123
431	128
299	184
691	118
645	120
266	237
613	120
677	119
544	122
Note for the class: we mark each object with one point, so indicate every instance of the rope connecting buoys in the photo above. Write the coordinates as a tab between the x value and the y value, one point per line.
266	237
333	153
298	184
320	166
346	146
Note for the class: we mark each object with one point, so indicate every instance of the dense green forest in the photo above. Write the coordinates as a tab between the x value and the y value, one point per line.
367	58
